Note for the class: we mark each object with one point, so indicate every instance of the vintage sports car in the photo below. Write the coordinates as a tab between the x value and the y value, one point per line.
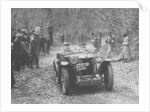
83	69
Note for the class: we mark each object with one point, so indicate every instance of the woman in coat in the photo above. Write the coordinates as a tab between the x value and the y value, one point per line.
125	54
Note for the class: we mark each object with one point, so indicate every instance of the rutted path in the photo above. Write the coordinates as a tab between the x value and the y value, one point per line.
38	86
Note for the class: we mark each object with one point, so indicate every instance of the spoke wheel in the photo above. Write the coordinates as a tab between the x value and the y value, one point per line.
108	78
65	81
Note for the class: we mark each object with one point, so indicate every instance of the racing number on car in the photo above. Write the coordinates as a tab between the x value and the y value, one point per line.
81	66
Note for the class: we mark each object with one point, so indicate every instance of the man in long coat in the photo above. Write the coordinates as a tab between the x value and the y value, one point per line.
18	52
34	49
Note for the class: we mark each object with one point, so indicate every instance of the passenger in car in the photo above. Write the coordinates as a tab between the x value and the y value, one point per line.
82	47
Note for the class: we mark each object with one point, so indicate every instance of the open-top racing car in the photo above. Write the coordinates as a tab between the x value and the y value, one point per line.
82	69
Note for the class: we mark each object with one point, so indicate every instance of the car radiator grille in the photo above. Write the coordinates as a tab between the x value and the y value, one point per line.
89	70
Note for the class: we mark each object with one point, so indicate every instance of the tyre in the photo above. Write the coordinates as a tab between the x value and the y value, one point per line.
58	78
108	77
65	81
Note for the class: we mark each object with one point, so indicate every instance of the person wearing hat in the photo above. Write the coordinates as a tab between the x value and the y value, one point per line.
18	36
125	54
100	38
37	30
110	42
82	47
96	43
26	38
50	33
17	52
66	48
34	48
92	38
48	44
42	43
15	57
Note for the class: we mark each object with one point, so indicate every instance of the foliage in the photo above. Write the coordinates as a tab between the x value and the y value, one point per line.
78	23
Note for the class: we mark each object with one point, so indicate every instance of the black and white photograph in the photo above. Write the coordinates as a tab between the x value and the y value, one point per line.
74	55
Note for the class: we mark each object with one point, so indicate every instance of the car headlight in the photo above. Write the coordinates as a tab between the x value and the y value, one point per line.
73	59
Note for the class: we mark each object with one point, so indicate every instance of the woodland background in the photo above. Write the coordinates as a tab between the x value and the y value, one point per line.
78	23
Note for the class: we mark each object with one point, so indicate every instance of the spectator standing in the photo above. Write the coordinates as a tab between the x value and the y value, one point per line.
125	54
16	52
96	43
62	39
34	48
42	43
110	42
50	33
48	44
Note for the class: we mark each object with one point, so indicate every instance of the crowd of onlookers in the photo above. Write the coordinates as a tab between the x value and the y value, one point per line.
26	45
96	42
110	41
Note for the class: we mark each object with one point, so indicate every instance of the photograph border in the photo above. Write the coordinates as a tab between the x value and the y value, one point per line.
5	91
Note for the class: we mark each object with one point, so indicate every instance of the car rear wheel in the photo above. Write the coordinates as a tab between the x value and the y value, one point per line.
108	77
65	81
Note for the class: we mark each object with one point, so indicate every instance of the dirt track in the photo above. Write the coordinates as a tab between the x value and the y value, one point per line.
37	86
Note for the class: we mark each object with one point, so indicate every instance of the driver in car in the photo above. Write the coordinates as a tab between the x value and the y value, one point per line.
66	48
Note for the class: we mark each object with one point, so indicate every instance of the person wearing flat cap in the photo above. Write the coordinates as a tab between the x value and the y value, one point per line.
19	52
18	36
16	52
65	48
82	47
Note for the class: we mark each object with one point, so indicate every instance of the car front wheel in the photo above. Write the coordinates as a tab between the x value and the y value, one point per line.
65	81
108	77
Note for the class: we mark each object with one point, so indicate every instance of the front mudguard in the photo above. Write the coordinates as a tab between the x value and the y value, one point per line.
71	72
57	64
103	67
